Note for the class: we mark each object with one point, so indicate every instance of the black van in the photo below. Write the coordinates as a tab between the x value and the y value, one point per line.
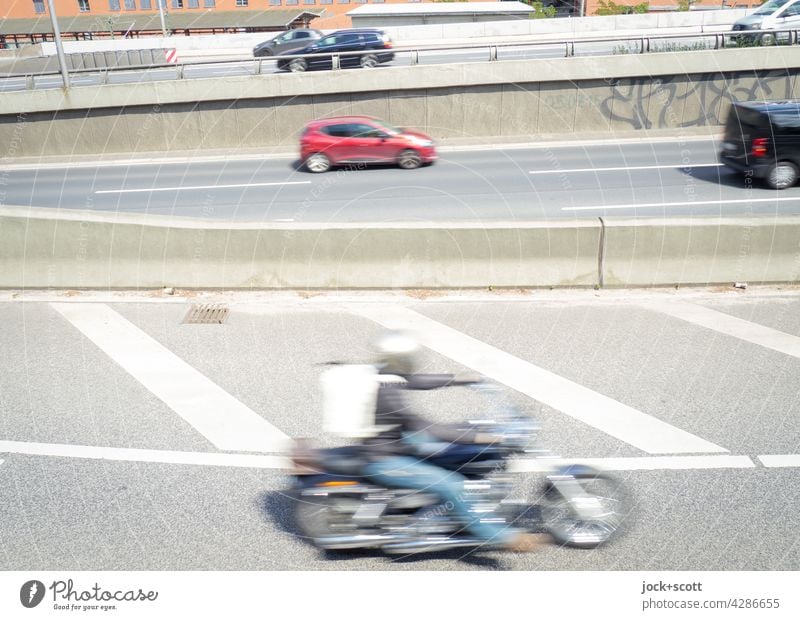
762	139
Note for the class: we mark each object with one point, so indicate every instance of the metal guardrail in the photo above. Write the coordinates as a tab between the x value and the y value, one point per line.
628	45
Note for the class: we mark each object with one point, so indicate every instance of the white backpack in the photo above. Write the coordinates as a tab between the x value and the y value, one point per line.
349	396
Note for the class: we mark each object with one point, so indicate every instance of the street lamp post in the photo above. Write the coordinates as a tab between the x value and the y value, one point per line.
161	13
62	61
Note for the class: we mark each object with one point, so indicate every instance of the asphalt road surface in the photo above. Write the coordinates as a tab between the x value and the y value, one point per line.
677	177
105	466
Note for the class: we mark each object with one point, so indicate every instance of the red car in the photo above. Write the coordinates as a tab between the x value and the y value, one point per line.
362	139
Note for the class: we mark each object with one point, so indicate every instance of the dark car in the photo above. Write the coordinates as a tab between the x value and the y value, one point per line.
286	42
375	44
362	139
762	140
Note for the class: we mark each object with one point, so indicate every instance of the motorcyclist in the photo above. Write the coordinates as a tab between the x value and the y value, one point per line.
391	451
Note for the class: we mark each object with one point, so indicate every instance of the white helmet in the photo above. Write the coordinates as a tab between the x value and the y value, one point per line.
396	352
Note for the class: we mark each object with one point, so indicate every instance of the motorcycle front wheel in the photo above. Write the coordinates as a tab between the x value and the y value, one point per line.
582	507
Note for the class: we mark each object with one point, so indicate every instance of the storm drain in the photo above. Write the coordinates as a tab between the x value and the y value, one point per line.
207	313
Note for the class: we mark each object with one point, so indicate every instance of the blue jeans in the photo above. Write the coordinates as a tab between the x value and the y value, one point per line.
411	473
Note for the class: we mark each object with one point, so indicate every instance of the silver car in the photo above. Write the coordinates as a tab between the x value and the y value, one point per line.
772	15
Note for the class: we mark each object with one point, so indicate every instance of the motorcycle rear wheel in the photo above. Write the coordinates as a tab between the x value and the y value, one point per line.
560	517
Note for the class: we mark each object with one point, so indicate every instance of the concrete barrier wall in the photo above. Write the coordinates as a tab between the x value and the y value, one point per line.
439	32
649	252
55	249
575	95
41	249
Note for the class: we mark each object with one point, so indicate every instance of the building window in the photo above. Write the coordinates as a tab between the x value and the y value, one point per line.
344	1
145	5
209	4
241	2
38	6
360	1
130	5
113	5
291	2
309	1
83	6
274	2
177	4
378	1
326	1
194	4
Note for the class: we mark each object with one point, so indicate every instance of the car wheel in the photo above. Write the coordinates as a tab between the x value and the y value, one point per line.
767	39
298	65
409	159
782	175
370	61
317	162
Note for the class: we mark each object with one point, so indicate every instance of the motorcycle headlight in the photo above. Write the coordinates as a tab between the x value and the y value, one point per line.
420	141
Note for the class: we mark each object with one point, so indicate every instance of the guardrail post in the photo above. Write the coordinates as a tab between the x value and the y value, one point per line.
641	50
492	53
104	76
415	57
257	67
29	83
335	62
179	71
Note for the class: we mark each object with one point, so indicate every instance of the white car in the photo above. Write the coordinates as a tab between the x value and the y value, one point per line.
772	15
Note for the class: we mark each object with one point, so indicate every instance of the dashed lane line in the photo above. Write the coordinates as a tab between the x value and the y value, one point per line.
780	460
630	168
195	187
219	417
616	419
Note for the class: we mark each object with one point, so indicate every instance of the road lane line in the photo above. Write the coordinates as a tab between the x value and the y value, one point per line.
190	187
673	167
601	412
728	325
697	203
218	416
258	461
145	456
780	460
639	463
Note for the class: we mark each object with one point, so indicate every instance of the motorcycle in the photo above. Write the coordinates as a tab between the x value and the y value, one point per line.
337	508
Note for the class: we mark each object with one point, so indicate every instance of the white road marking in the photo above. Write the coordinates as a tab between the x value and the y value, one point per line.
146	456
601	412
618	168
174	189
729	325
257	461
696	203
639	463
218	416
780	460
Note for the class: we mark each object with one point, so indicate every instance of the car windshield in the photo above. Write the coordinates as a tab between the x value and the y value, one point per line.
771	6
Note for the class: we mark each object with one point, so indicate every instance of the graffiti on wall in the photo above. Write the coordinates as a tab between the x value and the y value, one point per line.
690	101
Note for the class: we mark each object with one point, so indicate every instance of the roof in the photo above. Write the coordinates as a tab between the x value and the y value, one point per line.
200	20
443	8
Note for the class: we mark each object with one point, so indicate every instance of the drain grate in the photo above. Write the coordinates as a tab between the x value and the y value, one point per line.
207	313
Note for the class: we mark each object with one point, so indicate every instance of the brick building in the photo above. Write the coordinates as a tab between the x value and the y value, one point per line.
332	12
